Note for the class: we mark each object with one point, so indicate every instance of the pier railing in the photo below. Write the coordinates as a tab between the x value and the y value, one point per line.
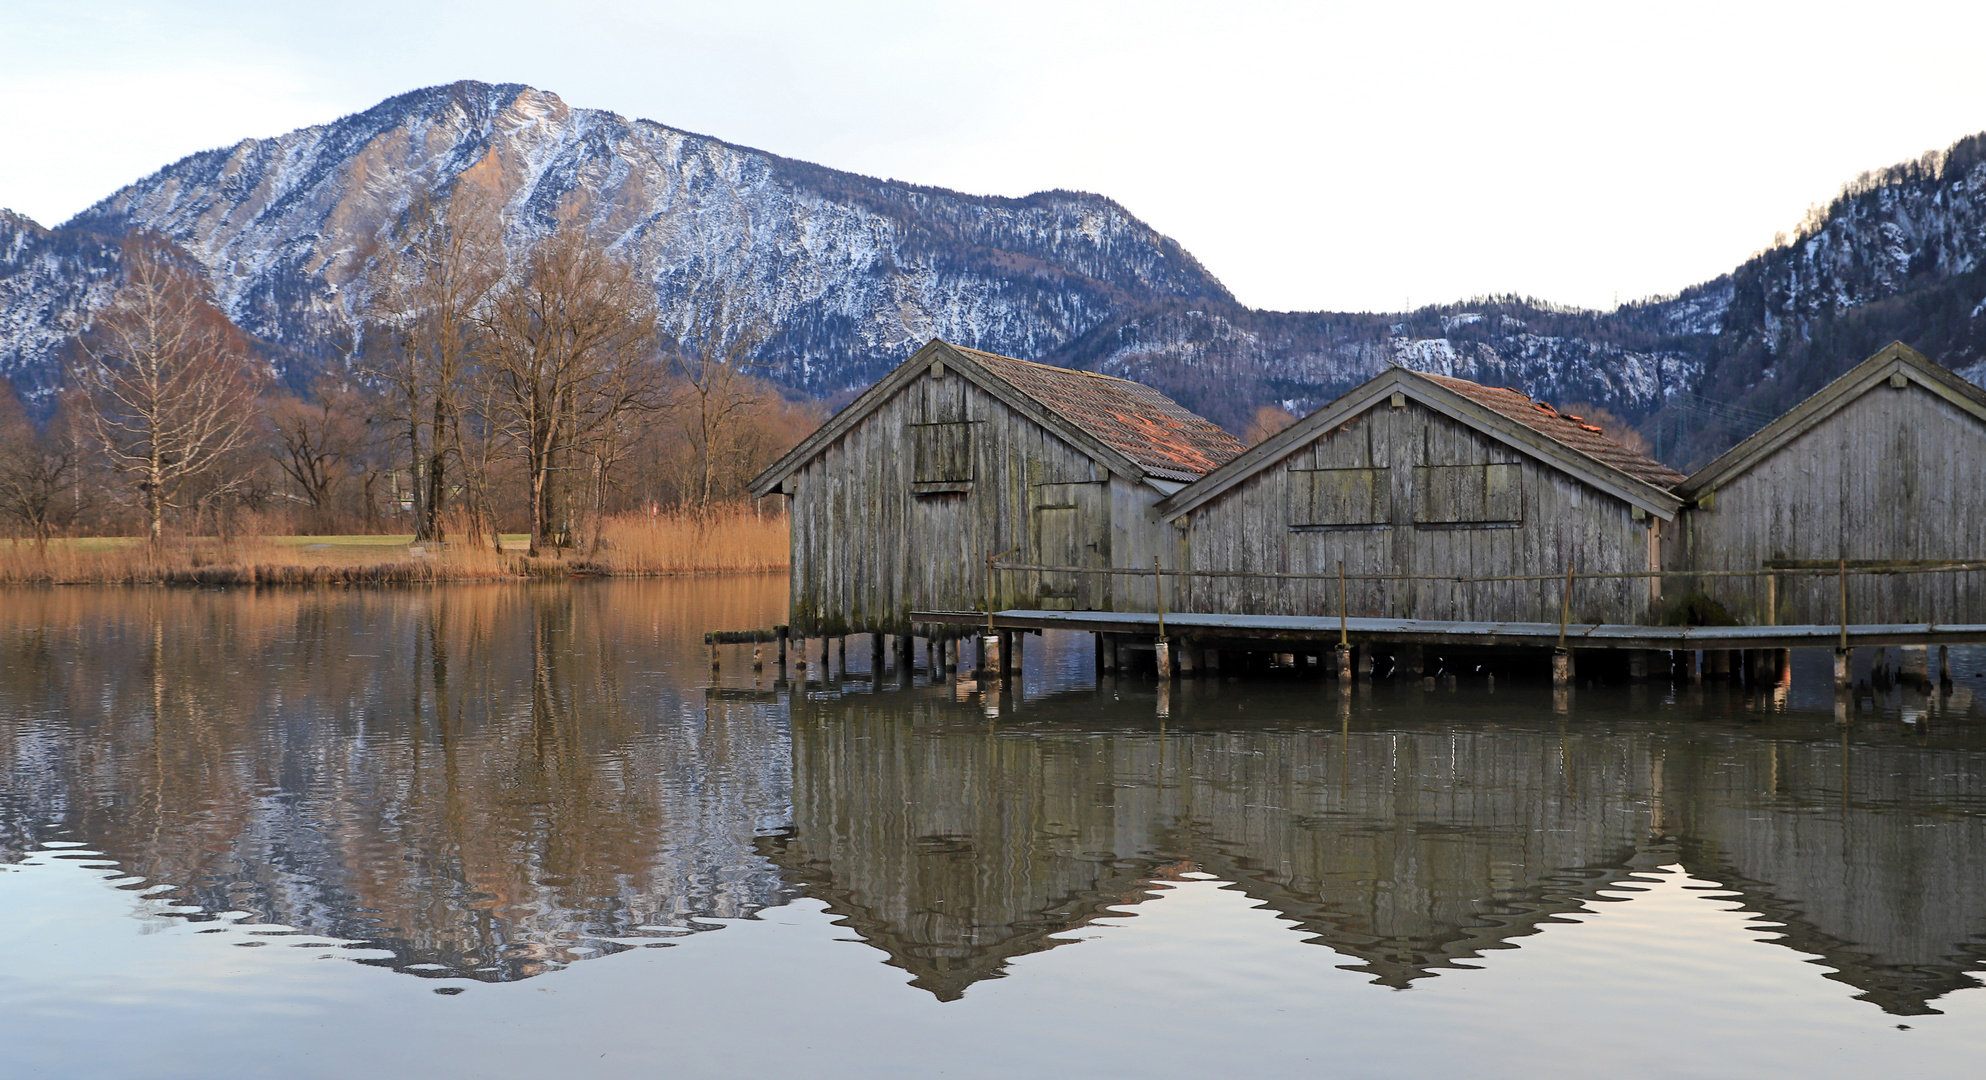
1841	569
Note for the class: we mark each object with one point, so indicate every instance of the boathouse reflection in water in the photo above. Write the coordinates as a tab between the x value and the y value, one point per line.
1405	843
490	783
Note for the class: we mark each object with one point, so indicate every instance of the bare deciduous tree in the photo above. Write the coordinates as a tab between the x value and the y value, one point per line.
36	470
318	438
571	352
168	384
715	356
427	292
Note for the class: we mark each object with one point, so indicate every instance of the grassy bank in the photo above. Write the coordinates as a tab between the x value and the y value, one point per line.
726	540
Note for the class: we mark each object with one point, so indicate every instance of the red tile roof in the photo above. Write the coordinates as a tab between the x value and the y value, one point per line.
1132	418
1586	438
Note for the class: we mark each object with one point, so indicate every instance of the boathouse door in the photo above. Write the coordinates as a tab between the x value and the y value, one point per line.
1071	528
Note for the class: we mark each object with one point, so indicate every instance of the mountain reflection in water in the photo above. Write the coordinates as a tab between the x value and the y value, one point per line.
490	782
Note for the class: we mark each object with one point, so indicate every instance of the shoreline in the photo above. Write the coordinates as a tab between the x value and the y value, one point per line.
726	542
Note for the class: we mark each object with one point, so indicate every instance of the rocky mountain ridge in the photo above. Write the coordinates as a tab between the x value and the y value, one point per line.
852	273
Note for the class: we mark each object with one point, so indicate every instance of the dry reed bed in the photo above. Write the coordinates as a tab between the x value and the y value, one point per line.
724	540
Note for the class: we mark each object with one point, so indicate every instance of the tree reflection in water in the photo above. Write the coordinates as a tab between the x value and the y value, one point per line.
491	782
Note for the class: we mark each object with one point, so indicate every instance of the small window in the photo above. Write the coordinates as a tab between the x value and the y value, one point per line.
1468	495
1339	498
942	453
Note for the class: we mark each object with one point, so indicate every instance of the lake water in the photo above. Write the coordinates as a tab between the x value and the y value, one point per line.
506	830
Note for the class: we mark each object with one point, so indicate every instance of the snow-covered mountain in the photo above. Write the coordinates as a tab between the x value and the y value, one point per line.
853	273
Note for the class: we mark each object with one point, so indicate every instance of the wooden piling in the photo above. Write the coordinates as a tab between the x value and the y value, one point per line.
1843	669
1162	652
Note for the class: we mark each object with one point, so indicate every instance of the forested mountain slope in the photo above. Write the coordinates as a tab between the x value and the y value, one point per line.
852	273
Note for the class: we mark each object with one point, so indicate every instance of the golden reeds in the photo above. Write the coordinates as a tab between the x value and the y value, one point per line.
725	539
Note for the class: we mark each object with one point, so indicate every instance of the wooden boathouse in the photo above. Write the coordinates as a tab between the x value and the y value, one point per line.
1424	479
898	502
1883	469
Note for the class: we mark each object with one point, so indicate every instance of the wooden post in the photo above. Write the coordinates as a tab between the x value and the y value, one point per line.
1772	600
1344	652
1843	647
1158	589
931	656
841	656
712	638
906	658
875	656
1561	666
1564	611
1162	650
1016	663
1344	642
799	653
758	654
782	632
1842	668
989	655
1108	642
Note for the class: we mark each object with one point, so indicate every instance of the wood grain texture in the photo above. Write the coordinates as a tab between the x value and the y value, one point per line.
1492	511
873	541
1895	474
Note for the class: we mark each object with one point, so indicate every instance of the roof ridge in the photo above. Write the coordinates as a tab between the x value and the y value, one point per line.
1054	367
1614	454
1135	419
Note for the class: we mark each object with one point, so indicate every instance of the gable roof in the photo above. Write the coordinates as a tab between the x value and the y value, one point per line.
1896	358
1136	420
1573	431
1505	415
1127	427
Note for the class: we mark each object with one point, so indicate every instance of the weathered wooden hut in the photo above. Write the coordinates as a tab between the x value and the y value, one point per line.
1416	474
1884	467
957	455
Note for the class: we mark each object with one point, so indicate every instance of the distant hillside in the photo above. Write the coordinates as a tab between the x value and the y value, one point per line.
853	273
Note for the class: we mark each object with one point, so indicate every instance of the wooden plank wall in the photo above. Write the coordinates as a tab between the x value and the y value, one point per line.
867	550
1895	475
1250	528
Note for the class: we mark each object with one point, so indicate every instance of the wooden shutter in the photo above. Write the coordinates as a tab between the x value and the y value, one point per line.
1328	498
943	453
1468	494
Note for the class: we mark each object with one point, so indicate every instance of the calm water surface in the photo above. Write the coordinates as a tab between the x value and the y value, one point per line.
517	831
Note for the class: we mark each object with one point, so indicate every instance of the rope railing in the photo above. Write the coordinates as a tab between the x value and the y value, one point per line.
1790	571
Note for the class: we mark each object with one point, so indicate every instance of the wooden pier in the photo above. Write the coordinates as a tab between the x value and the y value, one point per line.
1325	630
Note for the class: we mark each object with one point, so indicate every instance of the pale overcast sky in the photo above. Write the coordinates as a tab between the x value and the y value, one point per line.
1314	156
